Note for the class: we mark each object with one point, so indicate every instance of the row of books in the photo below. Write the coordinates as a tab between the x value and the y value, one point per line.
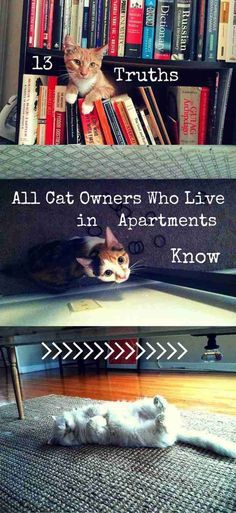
186	115
148	29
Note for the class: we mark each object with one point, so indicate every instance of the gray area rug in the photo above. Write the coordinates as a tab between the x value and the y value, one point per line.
35	477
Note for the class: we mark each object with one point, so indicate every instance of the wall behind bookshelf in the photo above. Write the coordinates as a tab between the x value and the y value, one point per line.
33	60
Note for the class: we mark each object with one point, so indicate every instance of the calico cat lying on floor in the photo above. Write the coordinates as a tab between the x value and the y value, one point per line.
56	265
149	422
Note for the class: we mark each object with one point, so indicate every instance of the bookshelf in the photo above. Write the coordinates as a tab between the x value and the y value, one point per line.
32	62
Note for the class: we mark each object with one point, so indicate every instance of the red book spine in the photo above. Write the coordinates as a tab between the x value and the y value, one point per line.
50	24
52	82
32	20
59	129
134	31
114	28
91	126
127	133
203	115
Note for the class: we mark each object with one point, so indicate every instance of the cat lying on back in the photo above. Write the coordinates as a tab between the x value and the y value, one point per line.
86	78
56	265
149	422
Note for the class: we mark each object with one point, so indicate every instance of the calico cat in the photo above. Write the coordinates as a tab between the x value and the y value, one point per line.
86	78
149	422
56	265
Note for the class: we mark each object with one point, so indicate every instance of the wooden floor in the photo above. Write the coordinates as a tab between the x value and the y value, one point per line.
213	392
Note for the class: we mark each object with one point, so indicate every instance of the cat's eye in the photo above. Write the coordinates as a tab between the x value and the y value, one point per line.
92	64
121	260
108	273
77	61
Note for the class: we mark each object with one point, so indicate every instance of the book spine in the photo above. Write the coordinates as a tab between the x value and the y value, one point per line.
79	27
201	28
57	24
42	114
50	24
124	123
149	29
66	19
85	28
212	24
223	29
104	123
29	109
147	128
60	115
99	24
203	115
92	24
134	33
134	120
106	11
192	34
164	29
231	38
91	126
32	20
41	23
182	23
74	19
114	28
188	107
52	82
46	24
115	127
74	132
122	28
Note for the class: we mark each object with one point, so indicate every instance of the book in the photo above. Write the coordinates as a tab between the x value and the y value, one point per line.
91	126
113	122
92	24
230	55
114	28
155	114
225	80
164	29
104	122
143	116
32	22
201	20
192	32
149	29
134	31
124	121
45	35
99	24
74	19
223	29
42	114
29	108
122	28
106	11
203	115
85	27
74	132
188	107
213	109
66	19
211	30
59	129
43	21
181	29
134	120
37	27
57	24
52	82
80	15
50	24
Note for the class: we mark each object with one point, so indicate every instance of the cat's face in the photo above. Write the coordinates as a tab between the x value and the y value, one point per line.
82	63
63	431
110	262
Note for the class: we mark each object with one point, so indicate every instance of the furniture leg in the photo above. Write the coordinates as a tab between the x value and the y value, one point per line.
11	351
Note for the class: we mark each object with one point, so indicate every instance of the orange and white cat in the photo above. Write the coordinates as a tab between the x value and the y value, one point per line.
86	78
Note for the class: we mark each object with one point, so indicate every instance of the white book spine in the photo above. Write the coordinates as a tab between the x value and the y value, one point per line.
231	36
134	120
80	22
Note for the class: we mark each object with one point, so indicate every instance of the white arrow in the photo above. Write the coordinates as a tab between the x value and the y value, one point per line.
90	351
163	351
58	349
79	352
142	351
121	351
132	350
101	350
68	349
173	351
111	351
184	351
152	351
48	350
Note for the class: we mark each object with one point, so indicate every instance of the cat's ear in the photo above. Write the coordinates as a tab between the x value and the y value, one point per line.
69	44
85	262
102	51
111	241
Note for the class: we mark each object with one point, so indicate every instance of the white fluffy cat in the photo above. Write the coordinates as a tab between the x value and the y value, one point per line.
149	422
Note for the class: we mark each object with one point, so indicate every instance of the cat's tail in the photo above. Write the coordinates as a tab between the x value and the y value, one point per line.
206	441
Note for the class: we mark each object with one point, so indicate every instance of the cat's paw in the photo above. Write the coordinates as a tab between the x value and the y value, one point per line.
87	108
160	402
71	98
